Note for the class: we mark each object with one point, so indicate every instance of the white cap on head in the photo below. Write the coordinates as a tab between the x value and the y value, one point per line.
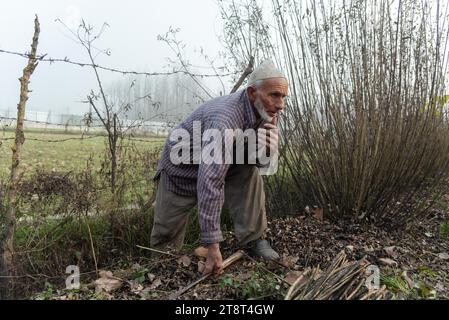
266	70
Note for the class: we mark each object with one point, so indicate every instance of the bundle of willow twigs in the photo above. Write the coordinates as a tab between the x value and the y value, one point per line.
342	280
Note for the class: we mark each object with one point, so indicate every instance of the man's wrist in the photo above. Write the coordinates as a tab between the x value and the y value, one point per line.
214	246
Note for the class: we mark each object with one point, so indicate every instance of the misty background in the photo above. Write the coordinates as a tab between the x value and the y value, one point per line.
129	42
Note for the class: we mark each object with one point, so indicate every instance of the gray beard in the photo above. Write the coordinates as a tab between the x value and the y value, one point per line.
261	109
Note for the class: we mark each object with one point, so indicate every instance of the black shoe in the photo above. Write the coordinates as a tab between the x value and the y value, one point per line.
262	249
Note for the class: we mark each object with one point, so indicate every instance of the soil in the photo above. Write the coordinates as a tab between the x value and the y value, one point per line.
413	264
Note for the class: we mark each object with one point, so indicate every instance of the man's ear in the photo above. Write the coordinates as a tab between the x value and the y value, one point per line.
252	94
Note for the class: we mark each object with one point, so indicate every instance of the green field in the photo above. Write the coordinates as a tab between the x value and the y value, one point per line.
68	155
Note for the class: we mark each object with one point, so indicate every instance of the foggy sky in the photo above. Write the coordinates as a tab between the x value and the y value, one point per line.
131	38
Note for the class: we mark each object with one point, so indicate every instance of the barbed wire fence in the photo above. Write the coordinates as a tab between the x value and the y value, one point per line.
92	125
146	128
71	123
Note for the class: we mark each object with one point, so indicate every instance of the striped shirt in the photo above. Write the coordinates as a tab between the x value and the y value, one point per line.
206	181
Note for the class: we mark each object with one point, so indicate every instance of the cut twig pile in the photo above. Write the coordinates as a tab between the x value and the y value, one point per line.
343	280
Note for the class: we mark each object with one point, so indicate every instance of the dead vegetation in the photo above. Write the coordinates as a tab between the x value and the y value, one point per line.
411	265
343	280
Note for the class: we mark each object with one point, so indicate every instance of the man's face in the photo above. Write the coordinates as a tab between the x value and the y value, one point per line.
269	97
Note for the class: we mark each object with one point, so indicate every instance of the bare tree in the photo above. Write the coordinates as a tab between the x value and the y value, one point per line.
8	218
103	107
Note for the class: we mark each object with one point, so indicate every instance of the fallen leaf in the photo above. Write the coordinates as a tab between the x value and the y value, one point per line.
292	276
156	283
107	282
135	286
200	252
201	266
368	249
105	274
443	256
388	262
184	260
151	277
289	261
391	251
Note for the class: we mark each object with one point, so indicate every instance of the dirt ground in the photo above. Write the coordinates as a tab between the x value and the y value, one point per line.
413	264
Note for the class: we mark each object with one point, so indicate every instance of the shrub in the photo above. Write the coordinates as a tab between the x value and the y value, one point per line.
366	121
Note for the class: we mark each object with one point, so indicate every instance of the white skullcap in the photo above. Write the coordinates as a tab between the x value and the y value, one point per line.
266	70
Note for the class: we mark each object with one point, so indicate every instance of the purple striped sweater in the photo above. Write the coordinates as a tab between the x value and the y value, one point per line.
206	181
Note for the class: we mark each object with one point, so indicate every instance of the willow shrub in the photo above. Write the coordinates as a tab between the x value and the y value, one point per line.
366	131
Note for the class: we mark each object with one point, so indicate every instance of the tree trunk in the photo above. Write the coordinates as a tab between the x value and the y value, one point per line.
8	217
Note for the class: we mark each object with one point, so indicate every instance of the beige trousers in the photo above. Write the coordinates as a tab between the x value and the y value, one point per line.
244	198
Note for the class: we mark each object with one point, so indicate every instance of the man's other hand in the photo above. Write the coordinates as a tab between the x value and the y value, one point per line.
214	261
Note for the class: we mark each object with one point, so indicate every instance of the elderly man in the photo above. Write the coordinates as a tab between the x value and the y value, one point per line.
239	187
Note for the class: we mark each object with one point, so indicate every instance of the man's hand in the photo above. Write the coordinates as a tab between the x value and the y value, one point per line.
269	137
214	261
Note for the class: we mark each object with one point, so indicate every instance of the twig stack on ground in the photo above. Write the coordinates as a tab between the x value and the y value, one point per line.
343	280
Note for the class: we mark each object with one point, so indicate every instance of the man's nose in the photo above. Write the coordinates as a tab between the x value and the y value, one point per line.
280	105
